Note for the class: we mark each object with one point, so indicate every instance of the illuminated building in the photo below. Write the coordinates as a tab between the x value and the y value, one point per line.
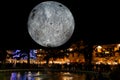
106	54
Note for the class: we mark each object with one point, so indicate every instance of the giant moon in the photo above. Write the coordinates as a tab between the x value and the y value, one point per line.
50	24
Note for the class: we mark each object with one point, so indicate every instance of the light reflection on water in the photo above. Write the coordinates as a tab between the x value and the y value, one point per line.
42	76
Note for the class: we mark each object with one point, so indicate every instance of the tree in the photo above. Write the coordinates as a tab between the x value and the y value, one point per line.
88	53
27	51
24	53
3	56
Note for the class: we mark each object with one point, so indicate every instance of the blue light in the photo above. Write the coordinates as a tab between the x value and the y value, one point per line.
24	55
13	76
32	54
17	51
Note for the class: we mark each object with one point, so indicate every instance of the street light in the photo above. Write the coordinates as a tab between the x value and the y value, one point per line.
99	48
118	46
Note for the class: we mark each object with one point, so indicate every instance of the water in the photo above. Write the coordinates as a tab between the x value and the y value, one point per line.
28	75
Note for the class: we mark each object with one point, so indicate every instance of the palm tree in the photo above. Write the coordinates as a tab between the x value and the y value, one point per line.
23	53
50	53
88	53
27	52
3	57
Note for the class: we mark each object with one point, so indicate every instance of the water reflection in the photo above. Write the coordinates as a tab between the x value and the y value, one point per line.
21	76
71	76
13	76
46	76
67	78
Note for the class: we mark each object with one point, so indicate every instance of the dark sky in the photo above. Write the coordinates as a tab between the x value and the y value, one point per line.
96	21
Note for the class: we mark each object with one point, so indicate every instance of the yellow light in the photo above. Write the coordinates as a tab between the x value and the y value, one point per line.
99	47
107	52
70	49
118	45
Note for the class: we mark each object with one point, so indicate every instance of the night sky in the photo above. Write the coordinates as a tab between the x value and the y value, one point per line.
96	21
